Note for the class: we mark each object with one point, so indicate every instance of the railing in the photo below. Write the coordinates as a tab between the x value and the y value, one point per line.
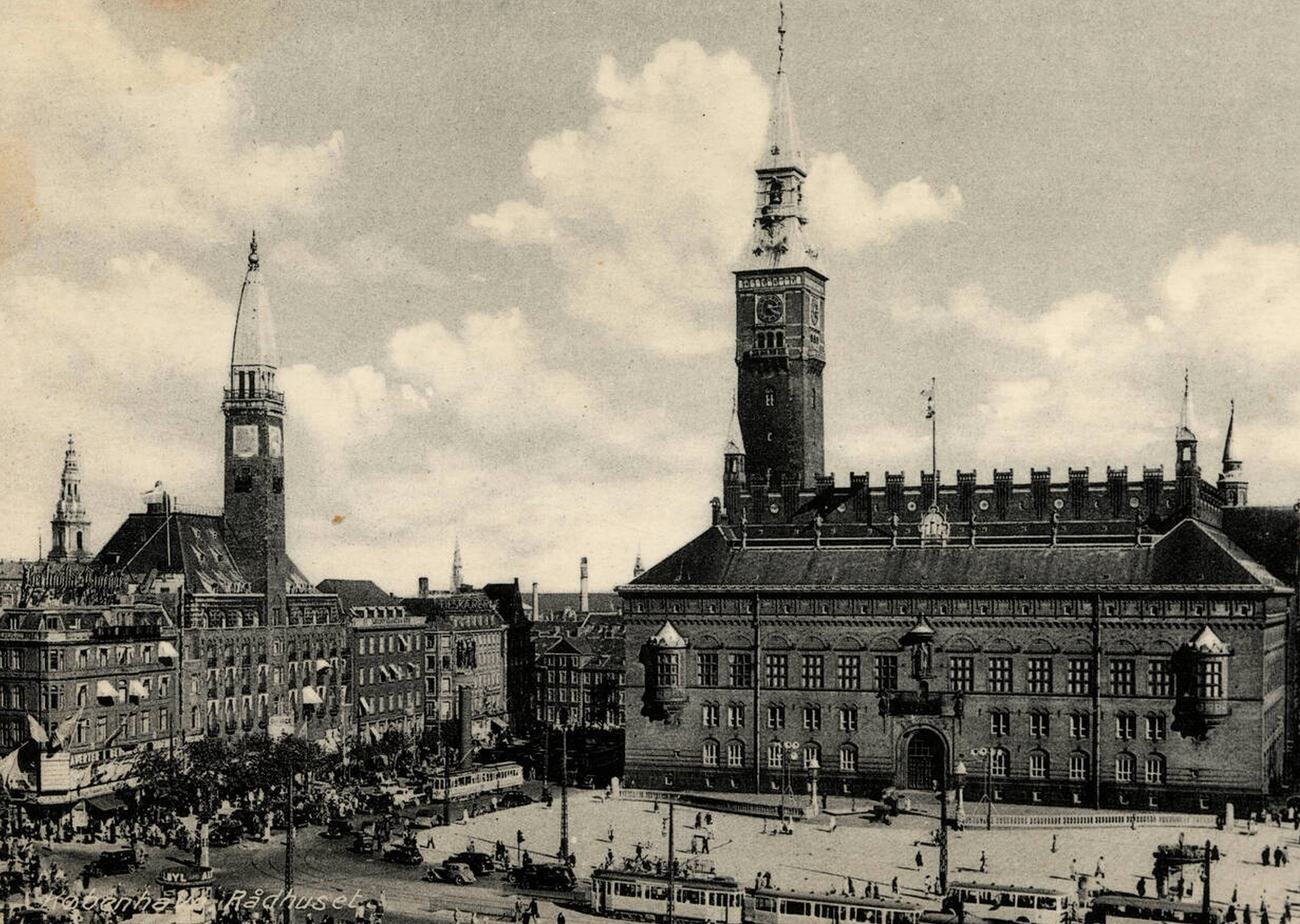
1099	820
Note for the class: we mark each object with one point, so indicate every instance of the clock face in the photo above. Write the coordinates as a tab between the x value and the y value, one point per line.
770	310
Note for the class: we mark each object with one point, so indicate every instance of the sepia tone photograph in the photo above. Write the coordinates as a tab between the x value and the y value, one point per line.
728	462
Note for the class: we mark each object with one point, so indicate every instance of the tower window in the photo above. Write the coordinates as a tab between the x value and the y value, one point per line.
277	484
769	398
243	482
79	541
775	192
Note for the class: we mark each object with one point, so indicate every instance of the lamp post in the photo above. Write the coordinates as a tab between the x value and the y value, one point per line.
959	783
564	786
791	749
987	754
943	827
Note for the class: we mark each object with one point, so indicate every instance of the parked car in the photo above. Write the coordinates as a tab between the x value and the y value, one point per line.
481	863
554	877
514	799
455	873
225	832
337	828
363	842
404	854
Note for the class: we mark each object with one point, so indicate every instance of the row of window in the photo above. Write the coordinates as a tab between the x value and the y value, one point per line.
388	643
711	716
1155	725
1000	675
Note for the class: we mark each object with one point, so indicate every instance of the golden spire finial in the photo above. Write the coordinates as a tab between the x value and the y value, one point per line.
252	252
780	37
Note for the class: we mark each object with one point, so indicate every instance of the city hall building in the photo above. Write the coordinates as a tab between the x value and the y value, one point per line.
1125	641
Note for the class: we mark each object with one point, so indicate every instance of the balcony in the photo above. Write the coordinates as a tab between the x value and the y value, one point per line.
233	398
918	702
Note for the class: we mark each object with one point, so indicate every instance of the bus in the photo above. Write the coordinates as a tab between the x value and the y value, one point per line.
1018	904
643	896
778	906
1124	908
473	781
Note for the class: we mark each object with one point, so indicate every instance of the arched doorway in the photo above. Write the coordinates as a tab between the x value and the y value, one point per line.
923	758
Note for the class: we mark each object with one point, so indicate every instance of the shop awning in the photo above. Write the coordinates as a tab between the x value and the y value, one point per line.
310	697
105	693
497	724
167	652
106	804
135	690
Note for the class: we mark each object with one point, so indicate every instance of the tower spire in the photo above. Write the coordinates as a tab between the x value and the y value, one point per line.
1185	416
457	572
780	38
70	523
1232	480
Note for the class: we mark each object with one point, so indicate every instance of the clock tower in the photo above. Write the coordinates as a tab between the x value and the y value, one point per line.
780	314
254	409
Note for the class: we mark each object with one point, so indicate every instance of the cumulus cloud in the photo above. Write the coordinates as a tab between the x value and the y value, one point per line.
648	207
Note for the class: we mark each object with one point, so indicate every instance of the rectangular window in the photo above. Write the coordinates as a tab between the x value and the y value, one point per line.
1000	675
1125	727
742	669
961	674
813	672
1160	679
848	672
886	672
812	717
1080	725
1040	724
848	719
1124	768
776	671
1078	679
1156	729
1121	676
709	715
1209	679
776	717
1078	767
999	723
708	668
1038	766
736	715
1040	675
710	754
774	756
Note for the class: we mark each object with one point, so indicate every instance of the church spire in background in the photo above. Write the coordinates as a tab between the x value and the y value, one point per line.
70	524
1232	480
457	571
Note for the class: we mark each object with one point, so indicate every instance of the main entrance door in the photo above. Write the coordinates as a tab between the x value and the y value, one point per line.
924	759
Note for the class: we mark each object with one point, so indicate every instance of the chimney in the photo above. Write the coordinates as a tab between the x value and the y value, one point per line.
537	603
584	600
424	587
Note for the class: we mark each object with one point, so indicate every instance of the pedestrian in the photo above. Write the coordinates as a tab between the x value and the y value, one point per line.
1234	895
1053	843
1230	916
920	860
1074	870
1142	886
533	910
1263	856
1101	868
611	834
1277	856
1245	914
984	863
893	885
699	819
928	885
559	918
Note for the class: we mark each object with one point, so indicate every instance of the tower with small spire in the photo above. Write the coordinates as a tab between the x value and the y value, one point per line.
780	320
457	569
638	569
1187	471
733	468
1232	480
254	524
70	525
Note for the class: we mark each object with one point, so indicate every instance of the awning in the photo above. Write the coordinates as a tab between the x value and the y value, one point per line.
310	697
322	665
167	651
497	724
135	690
105	693
106	804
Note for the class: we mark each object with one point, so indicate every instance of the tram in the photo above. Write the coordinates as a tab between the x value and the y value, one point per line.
473	781
1124	908
778	906
643	896
1016	904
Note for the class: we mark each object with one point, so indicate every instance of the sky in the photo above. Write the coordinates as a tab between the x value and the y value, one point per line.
498	239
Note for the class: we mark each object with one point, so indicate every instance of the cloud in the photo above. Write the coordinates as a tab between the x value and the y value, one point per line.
847	213
368	258
121	142
351	407
647	208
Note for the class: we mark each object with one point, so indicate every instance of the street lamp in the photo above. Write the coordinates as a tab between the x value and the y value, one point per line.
959	782
987	754
791	749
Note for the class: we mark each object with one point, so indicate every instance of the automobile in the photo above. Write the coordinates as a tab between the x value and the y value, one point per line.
514	799
476	860
447	871
113	863
225	832
363	842
553	877
404	854
338	827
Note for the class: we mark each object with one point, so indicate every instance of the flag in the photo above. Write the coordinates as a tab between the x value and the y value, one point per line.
63	733
928	395
11	776
113	737
36	730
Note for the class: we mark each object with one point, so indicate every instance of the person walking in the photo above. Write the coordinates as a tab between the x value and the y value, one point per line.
559	918
1074	870
920	860
1053	843
893	885
1263	856
1101	868
984	862
1142	886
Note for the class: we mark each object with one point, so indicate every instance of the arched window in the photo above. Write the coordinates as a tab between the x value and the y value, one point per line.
1155	769
812	751
848	758
775	191
1124	768
769	398
1038	765
709	753
1078	766
998	762
735	753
